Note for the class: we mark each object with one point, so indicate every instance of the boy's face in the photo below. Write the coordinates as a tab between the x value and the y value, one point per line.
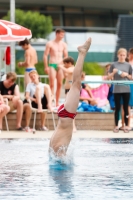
67	64
10	81
107	68
60	35
33	76
25	46
122	56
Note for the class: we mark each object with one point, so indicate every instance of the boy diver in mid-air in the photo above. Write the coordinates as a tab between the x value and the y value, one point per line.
61	138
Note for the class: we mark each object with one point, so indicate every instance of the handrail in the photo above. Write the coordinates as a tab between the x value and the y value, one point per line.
22	76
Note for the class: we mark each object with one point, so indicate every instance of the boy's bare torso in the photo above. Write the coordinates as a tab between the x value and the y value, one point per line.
68	78
56	51
31	55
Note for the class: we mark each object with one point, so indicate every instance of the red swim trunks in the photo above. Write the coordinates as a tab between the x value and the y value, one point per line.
62	112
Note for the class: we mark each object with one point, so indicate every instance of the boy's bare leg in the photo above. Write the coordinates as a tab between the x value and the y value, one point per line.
18	105
52	77
43	117
47	92
4	110
27	110
122	118
74	126
129	120
73	95
59	85
38	98
26	79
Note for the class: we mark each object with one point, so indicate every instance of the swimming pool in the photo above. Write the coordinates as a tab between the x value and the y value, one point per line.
100	169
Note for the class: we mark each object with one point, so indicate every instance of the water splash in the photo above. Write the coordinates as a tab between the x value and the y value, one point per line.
61	159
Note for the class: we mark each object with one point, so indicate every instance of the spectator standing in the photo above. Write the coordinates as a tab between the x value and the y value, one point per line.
130	60
121	70
56	50
30	59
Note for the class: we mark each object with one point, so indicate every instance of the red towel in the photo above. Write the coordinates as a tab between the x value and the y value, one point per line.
7	56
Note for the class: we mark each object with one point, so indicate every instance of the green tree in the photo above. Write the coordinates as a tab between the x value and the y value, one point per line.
40	25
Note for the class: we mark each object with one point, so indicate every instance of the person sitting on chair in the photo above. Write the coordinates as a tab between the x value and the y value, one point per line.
86	94
61	138
10	90
4	109
40	96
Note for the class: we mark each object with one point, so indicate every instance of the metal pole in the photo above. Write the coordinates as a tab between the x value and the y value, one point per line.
12	19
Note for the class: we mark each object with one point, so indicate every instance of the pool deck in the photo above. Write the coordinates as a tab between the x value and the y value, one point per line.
78	134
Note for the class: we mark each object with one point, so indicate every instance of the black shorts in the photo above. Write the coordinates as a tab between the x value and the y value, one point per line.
34	104
66	91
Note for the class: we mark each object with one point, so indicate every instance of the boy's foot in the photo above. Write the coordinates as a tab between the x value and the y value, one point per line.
39	111
74	130
129	116
126	130
116	130
27	129
44	128
19	128
50	108
85	47
121	128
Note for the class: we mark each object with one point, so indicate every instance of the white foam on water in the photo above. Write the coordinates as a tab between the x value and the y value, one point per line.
62	159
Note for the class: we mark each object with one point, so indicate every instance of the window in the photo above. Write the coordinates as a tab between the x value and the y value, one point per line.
73	20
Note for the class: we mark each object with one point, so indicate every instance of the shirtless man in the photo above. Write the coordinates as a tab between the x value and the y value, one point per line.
61	138
30	59
56	49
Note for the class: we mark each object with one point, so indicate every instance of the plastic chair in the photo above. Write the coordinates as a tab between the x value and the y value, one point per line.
35	112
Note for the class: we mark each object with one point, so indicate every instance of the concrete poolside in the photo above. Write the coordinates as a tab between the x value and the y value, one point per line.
78	134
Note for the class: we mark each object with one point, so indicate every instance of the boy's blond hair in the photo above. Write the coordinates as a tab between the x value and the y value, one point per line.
121	50
33	71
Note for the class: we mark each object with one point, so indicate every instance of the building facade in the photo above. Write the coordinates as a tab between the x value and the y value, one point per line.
76	15
79	16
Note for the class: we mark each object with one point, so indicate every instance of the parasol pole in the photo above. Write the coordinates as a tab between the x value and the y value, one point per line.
12	19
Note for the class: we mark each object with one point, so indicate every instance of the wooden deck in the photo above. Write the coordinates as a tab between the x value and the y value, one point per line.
83	120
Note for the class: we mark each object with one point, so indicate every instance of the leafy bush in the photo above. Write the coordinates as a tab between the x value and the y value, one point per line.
93	69
89	69
40	25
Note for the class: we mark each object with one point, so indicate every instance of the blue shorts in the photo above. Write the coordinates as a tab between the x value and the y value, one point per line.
29	69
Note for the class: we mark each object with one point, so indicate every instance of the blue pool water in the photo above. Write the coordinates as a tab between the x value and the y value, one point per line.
96	169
